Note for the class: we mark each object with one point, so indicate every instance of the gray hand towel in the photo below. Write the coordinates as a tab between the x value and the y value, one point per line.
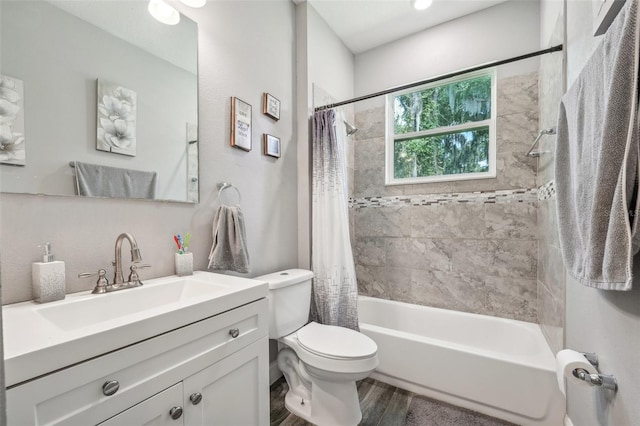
94	180
229	250
596	162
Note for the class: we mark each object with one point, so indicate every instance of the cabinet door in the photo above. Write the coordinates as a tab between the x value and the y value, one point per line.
155	411
234	391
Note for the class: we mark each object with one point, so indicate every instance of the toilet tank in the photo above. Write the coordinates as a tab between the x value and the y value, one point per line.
289	300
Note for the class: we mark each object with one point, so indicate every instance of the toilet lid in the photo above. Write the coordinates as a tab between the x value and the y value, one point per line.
335	342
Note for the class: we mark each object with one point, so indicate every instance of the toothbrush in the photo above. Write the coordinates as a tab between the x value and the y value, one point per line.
175	238
187	238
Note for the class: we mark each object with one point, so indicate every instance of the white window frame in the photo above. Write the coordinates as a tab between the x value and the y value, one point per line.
390	137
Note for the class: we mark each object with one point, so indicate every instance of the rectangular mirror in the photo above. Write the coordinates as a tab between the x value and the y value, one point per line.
97	98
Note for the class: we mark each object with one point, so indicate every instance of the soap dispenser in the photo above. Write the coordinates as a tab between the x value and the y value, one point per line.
48	278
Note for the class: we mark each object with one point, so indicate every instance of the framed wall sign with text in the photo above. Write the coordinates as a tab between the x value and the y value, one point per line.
271	106
240	124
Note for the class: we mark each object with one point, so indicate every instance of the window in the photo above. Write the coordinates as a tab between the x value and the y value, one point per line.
443	131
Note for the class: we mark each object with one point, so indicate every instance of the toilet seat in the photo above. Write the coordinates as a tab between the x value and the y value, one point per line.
333	342
329	360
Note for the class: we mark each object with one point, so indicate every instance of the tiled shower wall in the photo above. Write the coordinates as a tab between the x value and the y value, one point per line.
473	248
551	274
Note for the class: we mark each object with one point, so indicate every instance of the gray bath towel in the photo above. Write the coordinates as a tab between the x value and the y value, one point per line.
229	250
597	161
94	180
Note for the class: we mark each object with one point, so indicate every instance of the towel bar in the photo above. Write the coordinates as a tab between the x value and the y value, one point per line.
536	154
226	185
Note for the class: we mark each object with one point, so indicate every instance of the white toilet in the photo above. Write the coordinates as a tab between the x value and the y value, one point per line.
321	363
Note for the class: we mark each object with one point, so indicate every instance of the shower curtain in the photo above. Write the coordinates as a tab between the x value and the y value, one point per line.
335	290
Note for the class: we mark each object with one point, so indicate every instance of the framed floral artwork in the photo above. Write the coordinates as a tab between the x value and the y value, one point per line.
12	143
116	119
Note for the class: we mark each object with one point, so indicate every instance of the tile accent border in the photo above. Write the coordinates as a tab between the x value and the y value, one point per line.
547	191
480	197
544	192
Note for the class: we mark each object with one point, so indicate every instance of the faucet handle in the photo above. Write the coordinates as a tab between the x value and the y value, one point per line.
134	279
101	283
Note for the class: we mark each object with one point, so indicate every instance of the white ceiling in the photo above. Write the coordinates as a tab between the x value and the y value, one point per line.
365	24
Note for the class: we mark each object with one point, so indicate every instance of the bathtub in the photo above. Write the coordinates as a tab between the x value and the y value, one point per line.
500	367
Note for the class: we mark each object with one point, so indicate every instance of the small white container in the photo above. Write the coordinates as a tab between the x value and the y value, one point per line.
184	264
48	278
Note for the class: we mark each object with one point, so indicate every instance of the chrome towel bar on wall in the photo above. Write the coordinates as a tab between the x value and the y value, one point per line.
536	154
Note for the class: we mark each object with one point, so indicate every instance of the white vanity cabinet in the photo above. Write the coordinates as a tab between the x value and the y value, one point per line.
215	371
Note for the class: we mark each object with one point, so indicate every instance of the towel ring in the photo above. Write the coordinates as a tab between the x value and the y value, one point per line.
227	185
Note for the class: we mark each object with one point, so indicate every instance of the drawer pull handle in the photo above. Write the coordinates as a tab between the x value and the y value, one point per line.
234	332
195	398
175	413
110	387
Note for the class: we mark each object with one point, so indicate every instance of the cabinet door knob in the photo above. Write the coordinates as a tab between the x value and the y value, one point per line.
195	398
110	387
234	332
175	413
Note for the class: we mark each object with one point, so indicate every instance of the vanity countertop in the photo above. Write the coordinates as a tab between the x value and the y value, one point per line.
41	338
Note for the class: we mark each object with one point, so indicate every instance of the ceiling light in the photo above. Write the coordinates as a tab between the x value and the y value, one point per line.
421	4
194	3
163	12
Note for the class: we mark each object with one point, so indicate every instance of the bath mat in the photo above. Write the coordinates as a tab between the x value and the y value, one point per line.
429	412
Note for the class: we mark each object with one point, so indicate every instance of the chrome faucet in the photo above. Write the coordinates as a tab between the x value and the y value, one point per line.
118	277
102	285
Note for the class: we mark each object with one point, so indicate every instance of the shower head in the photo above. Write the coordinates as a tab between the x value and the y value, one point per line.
351	129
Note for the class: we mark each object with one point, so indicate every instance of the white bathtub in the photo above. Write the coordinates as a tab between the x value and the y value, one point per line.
499	367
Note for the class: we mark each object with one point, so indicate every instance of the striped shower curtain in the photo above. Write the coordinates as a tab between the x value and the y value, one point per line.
335	289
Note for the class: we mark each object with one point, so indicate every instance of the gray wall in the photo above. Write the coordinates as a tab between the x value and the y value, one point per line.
475	256
502	31
605	322
235	59
325	68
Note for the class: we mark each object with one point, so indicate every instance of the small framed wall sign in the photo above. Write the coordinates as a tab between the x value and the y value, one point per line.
240	124
271	106
271	146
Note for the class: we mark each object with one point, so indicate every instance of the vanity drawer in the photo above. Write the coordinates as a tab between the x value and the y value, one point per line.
75	395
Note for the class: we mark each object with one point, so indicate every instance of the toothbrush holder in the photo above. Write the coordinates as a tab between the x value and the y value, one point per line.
184	264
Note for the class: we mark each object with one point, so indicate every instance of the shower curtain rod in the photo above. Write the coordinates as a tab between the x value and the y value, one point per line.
557	48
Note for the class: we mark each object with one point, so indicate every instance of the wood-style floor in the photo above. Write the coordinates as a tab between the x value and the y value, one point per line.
385	405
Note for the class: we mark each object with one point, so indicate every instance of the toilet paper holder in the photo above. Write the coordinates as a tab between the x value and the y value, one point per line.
603	380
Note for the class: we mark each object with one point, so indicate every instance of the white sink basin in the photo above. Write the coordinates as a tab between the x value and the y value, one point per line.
39	338
96	309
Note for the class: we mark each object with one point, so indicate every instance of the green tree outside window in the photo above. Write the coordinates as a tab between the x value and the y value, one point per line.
443	129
